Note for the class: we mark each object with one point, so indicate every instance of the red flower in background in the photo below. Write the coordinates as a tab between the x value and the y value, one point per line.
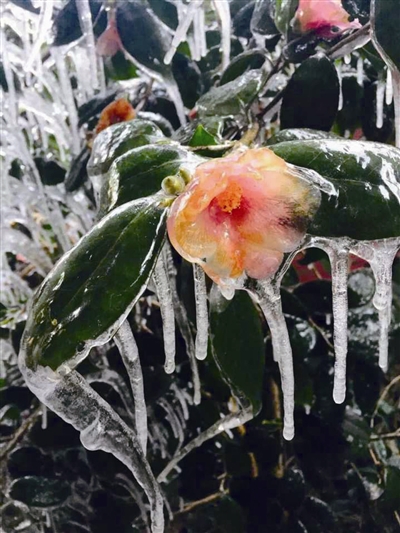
326	18
118	111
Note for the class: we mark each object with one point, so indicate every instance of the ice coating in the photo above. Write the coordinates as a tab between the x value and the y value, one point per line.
200	291
240	213
327	18
128	349
164	294
269	299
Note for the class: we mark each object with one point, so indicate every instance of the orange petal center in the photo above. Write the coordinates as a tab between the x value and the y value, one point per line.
230	199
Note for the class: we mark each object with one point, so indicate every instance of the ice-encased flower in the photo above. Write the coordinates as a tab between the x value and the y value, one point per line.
326	18
118	111
240	213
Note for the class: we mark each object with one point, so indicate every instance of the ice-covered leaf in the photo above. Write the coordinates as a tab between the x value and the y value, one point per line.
300	134
232	98
140	171
311	97
238	346
118	139
67	27
143	35
26	4
248	60
41	492
188	77
385	18
366	178
94	284
77	172
284	12
51	173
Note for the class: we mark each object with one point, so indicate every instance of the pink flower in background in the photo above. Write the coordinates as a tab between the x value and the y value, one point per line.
326	18
240	213
109	42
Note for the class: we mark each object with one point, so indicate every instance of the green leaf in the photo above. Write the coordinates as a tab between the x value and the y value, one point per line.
144	36
284	12
94	284
188	77
385	19
366	176
248	60
311	97
41	492
201	137
140	172
232	98
238	346
118	139
300	134
51	173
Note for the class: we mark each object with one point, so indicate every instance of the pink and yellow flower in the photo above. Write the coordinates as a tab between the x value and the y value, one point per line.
326	18
240	213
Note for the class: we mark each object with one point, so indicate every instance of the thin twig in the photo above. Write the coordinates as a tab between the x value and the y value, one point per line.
20	432
381	398
348	40
386	436
208	499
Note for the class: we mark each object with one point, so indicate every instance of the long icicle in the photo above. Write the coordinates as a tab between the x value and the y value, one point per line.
164	294
200	291
380	256
228	422
224	14
128	349
183	324
269	299
85	19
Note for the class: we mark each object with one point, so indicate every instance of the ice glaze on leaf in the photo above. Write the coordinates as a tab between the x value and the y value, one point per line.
366	176
94	284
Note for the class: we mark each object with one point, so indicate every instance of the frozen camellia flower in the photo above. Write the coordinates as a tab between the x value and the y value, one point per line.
240	213
118	111
326	18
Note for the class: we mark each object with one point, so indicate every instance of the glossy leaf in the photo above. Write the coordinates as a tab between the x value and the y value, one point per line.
238	346
366	177
51	173
232	98
140	172
143	35
66	26
249	60
41	492
385	18
311	97
300	134
94	284
119	139
285	10
188	77
78	171
202	137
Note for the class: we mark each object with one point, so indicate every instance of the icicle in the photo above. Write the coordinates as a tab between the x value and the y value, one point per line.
183	323
127	347
200	291
347	59
182	29
42	34
173	420
44	417
226	423
202	32
360	71
181	399
163	288
223	11
380	255
396	99
85	19
269	299
65	83
389	87
339	73
12	99
173	92
137	497
380	99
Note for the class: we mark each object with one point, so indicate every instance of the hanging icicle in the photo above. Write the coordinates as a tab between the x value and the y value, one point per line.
163	289
200	291
85	19
224	14
128	349
269	299
380	100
